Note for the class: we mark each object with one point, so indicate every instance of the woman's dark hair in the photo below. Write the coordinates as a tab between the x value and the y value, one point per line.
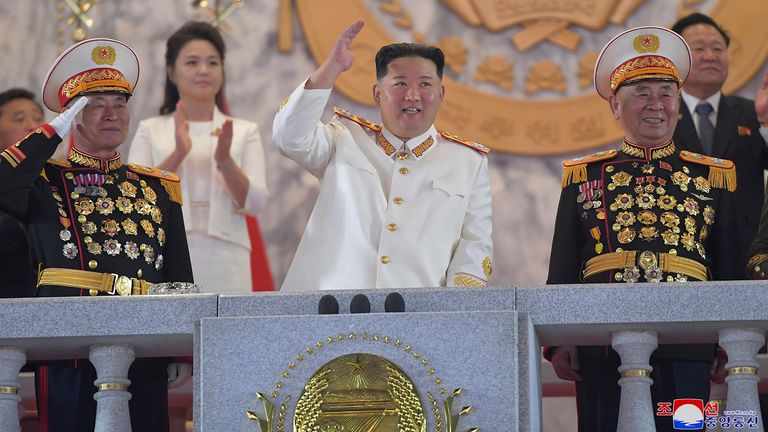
388	53
192	30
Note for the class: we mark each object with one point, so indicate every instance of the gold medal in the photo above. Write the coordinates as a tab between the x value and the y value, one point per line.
670	220
130	227
701	184
148	228
645	201
688	242
667	202
157	216
142	206
621	178
625	218
709	215
149	194
105	206
84	206
691	206
127	189
623	201
647	217
124	205
626	235
89	228
690	225
670	238
110	227
94	248
648	233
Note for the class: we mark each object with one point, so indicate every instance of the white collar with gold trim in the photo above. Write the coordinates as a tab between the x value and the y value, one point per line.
418	146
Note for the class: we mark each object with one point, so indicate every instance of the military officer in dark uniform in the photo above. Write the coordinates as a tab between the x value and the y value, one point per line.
646	212
96	226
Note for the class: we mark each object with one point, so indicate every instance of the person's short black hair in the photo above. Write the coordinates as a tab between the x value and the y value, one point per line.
699	18
17	93
388	53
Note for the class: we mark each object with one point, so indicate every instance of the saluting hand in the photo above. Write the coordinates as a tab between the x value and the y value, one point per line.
761	101
181	124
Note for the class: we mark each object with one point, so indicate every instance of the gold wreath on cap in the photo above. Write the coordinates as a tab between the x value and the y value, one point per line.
639	54
93	65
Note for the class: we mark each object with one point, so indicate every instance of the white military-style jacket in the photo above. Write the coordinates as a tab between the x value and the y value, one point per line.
155	140
389	214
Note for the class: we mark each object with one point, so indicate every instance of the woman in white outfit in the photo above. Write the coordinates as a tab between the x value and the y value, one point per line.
219	158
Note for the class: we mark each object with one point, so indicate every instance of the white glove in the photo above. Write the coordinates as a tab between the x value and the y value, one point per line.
63	122
178	374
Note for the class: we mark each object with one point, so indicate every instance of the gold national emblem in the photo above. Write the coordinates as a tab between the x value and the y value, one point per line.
646	43
104	55
364	392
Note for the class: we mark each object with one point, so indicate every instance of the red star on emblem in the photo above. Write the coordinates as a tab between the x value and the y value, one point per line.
104	52
646	40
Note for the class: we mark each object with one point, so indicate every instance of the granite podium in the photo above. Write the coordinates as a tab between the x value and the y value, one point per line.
276	357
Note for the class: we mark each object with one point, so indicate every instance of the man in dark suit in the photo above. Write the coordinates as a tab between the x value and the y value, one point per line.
20	114
723	126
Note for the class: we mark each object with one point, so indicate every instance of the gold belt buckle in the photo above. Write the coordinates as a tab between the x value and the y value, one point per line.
123	285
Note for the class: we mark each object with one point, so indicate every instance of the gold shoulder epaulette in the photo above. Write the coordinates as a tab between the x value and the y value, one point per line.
153	172
575	170
357	119
59	163
471	144
56	163
722	172
169	180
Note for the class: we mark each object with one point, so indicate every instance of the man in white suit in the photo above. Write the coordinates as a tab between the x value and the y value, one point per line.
400	205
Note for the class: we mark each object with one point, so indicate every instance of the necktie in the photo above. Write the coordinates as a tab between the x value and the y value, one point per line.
706	128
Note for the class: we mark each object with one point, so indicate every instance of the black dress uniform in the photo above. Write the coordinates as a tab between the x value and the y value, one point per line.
737	138
642	215
85	218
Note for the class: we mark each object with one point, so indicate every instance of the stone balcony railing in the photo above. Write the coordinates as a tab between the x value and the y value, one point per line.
633	318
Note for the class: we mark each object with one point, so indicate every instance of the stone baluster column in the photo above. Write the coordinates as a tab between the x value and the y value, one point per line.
742	345
636	411
112	363
11	361
718	393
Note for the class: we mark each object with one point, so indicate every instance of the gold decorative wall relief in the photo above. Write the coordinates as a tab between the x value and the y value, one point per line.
560	124
359	392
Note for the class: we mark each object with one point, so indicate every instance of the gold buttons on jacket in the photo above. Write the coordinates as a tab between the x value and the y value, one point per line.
93	264
392	227
385	259
403	170
398	200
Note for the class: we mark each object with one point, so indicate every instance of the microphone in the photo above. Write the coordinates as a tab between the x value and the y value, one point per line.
328	305
394	303
360	304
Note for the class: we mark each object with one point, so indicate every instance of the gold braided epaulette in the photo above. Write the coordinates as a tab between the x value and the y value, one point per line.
169	180
575	170
471	144
357	119
59	163
722	172
56	163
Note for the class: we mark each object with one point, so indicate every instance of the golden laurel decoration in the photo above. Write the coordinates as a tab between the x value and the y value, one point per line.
532	127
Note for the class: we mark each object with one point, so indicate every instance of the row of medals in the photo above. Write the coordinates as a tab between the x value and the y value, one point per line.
88	198
651	192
